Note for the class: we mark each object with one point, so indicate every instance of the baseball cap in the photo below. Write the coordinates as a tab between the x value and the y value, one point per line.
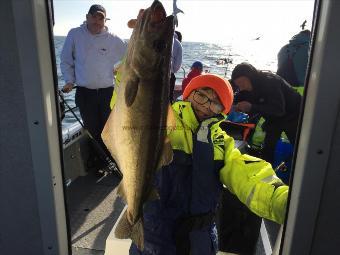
198	65
97	8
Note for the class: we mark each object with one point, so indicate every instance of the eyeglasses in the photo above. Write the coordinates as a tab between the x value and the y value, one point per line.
202	99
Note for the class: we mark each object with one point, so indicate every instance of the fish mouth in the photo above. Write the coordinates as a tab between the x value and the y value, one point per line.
159	23
151	41
154	18
158	14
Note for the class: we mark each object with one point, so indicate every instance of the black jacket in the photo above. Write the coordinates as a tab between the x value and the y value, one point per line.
272	98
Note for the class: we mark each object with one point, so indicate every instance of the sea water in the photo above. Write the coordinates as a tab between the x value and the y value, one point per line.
216	58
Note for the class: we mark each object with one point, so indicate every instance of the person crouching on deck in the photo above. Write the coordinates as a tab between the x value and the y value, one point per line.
205	159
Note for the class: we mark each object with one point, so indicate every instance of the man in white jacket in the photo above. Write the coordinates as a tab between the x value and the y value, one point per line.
176	62
87	60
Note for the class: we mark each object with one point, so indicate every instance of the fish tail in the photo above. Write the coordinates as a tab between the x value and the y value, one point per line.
126	230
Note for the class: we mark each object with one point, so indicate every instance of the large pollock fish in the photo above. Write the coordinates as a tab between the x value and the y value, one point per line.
135	132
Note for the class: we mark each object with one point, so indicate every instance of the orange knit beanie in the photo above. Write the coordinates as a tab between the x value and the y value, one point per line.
220	85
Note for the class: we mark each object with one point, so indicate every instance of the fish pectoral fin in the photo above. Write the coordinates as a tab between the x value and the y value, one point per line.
166	155
126	230
131	90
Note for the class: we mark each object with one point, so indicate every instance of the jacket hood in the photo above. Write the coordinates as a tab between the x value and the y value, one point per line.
245	69
103	32
302	37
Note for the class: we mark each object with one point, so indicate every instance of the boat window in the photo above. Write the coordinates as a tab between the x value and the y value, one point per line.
273	36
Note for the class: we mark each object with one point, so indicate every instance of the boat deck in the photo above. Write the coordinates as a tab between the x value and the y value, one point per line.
93	208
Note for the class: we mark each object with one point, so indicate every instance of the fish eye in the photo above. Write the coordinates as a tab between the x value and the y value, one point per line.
159	45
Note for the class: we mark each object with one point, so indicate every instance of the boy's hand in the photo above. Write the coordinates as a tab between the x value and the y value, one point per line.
243	106
132	22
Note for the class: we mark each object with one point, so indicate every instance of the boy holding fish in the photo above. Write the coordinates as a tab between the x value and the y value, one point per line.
205	159
173	176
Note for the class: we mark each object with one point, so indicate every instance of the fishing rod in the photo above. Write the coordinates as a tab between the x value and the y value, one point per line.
111	165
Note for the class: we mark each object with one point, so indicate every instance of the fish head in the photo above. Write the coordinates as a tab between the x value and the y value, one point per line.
150	45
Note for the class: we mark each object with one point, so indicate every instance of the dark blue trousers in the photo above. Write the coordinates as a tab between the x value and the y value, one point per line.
94	107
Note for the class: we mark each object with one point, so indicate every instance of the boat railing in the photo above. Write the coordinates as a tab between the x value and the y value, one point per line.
71	133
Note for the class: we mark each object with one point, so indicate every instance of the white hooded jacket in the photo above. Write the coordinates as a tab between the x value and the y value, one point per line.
88	60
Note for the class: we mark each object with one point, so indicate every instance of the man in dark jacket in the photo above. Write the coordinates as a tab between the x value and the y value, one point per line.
293	58
271	97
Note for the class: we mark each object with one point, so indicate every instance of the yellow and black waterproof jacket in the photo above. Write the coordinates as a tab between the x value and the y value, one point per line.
251	179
